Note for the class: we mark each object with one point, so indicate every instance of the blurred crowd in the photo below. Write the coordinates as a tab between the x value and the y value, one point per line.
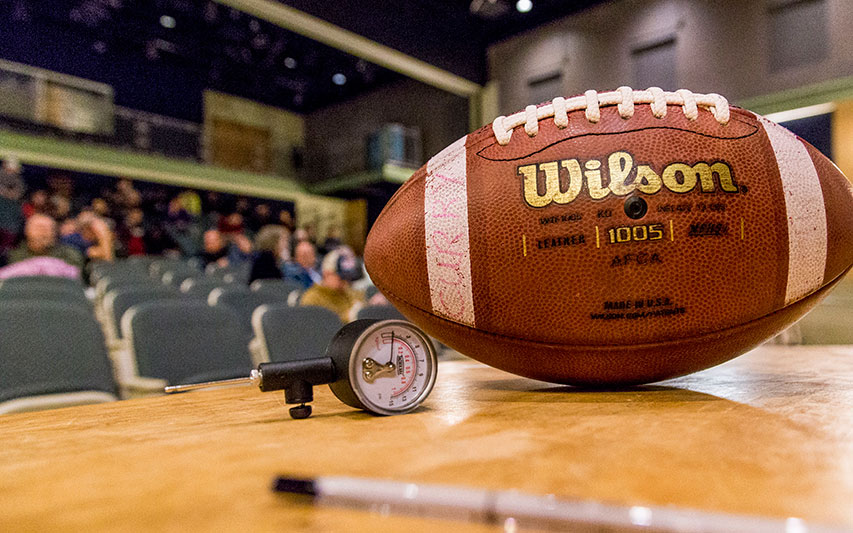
217	230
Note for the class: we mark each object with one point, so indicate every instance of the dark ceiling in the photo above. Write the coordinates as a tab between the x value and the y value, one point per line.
445	33
159	55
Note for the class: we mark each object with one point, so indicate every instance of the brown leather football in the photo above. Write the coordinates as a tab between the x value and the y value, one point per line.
615	238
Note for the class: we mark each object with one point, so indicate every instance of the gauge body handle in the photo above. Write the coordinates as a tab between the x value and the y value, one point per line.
281	375
340	351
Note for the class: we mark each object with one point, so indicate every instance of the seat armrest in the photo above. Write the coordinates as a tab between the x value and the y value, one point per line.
142	387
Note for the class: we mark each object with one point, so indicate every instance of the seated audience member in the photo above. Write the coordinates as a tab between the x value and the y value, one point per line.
69	235
40	241
299	235
340	268
98	234
303	269
262	216
158	242
240	248
11	191
212	207
243	206
214	249
59	208
310	233
332	241
36	204
102	209
11	184
286	220
270	242
191	202
131	232
230	224
40	266
182	228
11	220
125	196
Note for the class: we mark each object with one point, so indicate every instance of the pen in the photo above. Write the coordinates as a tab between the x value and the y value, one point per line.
516	510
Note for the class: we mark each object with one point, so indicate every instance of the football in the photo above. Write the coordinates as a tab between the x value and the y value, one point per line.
615	238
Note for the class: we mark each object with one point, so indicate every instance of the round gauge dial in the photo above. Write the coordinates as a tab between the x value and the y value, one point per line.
392	368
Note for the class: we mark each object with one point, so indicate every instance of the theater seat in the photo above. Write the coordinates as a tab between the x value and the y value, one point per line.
284	333
12	292
200	288
183	341
42	281
242	301
52	354
380	312
119	300
278	289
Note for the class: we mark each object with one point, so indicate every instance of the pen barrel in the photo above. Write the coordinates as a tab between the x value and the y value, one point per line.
389	496
517	510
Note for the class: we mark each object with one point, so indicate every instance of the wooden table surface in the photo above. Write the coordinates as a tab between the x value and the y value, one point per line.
770	433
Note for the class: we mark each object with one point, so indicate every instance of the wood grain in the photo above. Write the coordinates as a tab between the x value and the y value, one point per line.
770	433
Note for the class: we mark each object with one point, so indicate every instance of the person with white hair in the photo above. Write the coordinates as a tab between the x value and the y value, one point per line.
270	241
339	269
11	184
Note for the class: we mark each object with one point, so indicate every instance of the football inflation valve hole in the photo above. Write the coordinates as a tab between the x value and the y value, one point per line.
636	207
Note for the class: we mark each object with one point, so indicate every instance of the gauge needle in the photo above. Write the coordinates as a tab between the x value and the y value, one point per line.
391	361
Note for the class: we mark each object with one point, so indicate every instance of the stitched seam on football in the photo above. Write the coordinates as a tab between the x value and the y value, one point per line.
590	134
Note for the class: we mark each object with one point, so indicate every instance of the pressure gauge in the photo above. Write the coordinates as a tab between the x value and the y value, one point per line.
391	366
386	367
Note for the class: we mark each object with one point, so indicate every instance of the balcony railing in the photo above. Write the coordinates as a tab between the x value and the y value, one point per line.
49	103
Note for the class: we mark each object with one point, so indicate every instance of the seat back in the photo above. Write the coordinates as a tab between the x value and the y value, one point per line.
118	301
128	267
230	274
50	348
242	301
115	280
174	277
287	333
50	292
159	266
200	288
186	341
42	281
276	289
380	312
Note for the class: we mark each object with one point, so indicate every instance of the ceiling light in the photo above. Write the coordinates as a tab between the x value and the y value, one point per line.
167	22
289	62
339	79
523	6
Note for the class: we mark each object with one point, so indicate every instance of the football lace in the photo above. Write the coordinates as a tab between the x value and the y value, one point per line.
624	98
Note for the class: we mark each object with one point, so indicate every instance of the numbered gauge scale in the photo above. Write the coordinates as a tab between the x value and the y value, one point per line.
391	366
